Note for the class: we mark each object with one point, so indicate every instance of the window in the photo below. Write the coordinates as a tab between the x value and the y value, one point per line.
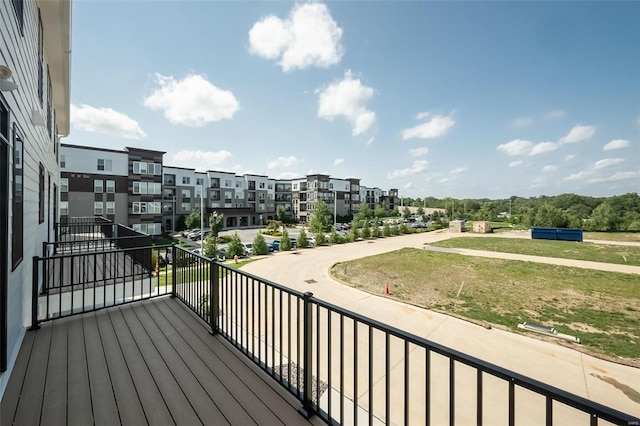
40	63
186	207
64	208
17	201
154	188
49	109
139	168
64	184
104	165
199	181
111	207
63	162
227	183
111	186
154	208
98	208
186	180
19	7
140	187
98	186
186	193
261	185
156	168
41	195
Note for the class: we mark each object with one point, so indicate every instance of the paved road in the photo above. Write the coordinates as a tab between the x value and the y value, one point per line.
608	383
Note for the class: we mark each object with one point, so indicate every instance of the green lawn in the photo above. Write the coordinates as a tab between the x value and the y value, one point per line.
601	308
624	255
633	237
196	274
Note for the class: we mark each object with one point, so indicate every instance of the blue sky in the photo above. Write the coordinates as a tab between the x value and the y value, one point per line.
460	99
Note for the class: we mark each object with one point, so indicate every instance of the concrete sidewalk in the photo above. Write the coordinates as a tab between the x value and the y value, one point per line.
605	382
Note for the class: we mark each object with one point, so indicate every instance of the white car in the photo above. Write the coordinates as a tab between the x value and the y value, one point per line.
248	248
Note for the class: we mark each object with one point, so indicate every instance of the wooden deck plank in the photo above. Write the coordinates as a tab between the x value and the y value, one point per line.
54	405
202	403
30	402
14	387
79	395
205	373
273	398
105	410
127	400
149	395
179	406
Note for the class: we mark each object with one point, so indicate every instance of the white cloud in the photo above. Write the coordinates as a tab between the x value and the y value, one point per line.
200	160
338	161
418	152
569	157
557	113
515	147
417	167
443	180
542	147
458	170
437	126
282	162
548	169
409	185
576	177
422	115
105	120
608	162
538	181
192	101
370	141
618	176
347	98
578	134
515	164
307	37
522	122
616	144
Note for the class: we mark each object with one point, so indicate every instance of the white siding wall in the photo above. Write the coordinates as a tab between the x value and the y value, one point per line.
19	52
81	160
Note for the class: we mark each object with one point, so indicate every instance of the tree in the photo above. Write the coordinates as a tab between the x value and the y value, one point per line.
396	211
281	213
603	218
379	211
420	211
334	238
216	223
285	241
406	212
322	219
235	247
193	220
210	248
353	233
320	238
303	242
366	230
259	245
274	226
394	230
375	231
364	212
386	230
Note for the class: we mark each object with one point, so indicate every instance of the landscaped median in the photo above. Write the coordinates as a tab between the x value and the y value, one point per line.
601	308
165	275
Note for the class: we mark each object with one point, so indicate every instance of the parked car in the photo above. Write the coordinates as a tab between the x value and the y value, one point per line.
312	241
275	244
248	248
192	232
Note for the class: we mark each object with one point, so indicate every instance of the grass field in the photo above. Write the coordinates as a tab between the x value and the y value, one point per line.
601	308
166	275
632	237
623	255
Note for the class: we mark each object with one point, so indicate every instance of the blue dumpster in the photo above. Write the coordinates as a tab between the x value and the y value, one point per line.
562	234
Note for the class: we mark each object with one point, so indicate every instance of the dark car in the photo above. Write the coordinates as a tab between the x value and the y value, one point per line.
275	244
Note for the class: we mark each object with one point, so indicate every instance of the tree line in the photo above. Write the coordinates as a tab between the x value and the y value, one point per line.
615	213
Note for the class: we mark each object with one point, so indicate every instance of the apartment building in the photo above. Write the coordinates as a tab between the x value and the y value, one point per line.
124	186
34	112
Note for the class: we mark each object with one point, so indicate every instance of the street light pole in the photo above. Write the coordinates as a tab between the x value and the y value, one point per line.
335	208
173	214
201	216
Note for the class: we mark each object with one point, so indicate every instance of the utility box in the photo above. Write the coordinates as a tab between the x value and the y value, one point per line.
563	234
457	226
482	227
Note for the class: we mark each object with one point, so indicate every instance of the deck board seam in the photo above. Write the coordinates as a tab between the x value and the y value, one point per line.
24	377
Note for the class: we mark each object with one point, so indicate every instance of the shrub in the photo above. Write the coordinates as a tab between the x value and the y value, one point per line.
303	242
285	241
334	238
260	245
320	239
235	247
386	230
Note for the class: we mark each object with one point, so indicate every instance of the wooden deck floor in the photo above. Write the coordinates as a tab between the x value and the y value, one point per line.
149	362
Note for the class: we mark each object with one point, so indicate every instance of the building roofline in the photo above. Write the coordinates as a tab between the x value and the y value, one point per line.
92	148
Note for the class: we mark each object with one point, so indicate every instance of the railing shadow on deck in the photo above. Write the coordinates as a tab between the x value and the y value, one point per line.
343	367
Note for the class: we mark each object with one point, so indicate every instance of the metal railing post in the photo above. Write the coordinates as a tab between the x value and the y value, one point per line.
214	289
307	361
174	270
34	295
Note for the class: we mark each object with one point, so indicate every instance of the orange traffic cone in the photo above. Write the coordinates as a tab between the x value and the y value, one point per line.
386	289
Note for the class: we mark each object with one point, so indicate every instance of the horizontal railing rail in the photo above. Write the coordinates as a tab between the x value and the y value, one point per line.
94	244
350	369
69	284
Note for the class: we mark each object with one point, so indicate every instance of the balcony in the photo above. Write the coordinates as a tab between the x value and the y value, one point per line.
116	340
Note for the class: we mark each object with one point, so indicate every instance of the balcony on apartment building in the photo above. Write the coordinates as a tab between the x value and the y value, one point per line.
118	338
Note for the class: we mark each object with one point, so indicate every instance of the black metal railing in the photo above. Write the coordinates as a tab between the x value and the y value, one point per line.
75	283
349	369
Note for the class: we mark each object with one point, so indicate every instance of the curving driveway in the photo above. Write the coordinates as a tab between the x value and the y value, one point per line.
608	383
